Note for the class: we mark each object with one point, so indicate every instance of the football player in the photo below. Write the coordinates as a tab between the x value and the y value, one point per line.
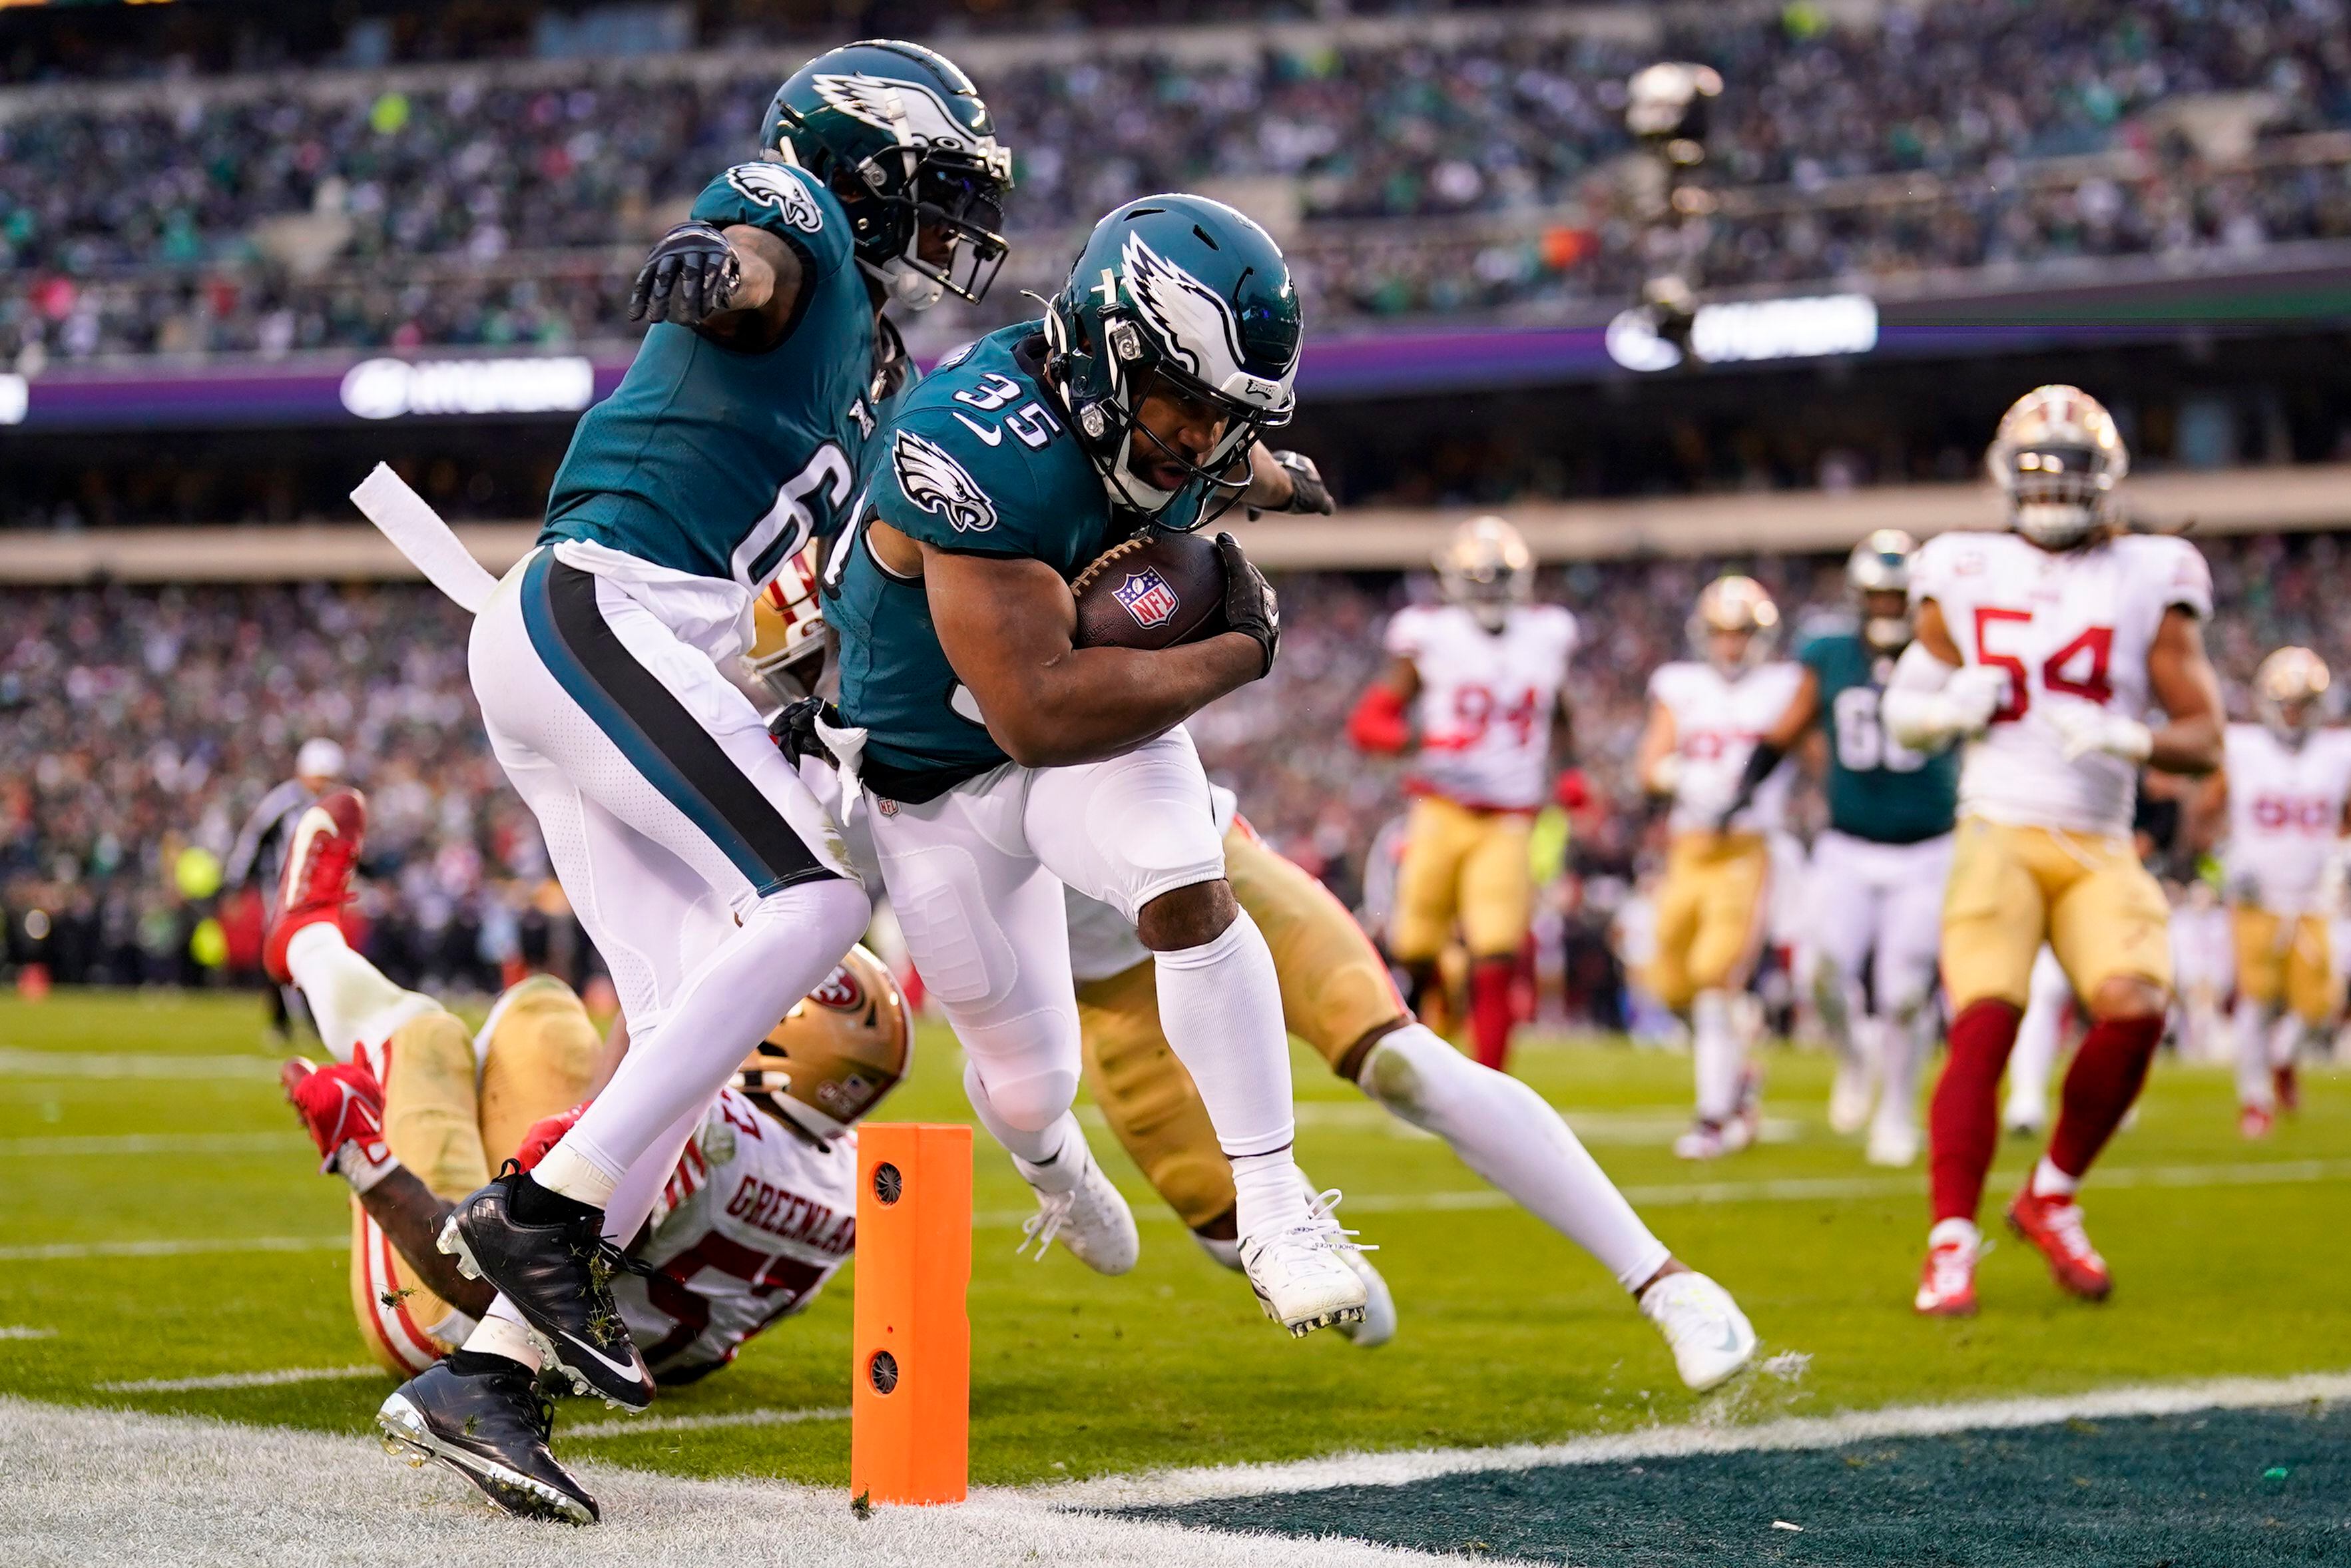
2041	647
1337	995
2284	787
756	1217
1475	689
2041	1038
700	865
1001	761
1877	871
1706	714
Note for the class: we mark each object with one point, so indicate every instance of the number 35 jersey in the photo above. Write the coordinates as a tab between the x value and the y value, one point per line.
2286	804
1486	699
2068	626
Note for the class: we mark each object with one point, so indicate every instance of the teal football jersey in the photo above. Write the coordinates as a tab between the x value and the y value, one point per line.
975	459
1877	788
718	463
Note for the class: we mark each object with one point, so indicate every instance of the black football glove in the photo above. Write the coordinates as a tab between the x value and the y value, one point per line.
1307	491
688	279
1249	604
794	730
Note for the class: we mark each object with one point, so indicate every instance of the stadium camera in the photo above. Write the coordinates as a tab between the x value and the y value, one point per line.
1666	106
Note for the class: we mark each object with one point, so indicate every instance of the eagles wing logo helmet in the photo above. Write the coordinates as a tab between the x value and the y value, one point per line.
900	135
1184	292
1881	564
1486	567
2057	458
841	1048
2287	690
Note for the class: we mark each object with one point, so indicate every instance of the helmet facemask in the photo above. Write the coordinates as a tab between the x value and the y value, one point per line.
2053	497
2057	457
1878	574
2289	694
1486	570
1734	607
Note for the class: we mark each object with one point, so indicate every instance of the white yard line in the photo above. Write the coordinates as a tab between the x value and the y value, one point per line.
19	1063
70	1252
632	1427
1678	1441
117	1145
241	1379
18	1331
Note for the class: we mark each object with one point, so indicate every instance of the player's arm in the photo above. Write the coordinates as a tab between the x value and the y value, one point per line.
738	286
2180	678
1381	721
1007	624
1934	696
1285	482
2207	812
1773	743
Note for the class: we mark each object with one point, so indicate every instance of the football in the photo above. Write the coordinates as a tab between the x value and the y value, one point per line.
1154	590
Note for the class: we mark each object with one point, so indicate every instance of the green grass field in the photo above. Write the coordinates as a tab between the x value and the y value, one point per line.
2222	1250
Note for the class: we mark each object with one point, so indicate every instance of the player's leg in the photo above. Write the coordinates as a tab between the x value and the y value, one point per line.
1497	896
1137	834
2310	1001
1909	931
2040	1038
1846	907
1437	834
538	1051
1733	875
2261	986
1994	915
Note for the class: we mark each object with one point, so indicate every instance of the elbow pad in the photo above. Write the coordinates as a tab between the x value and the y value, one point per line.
1378	723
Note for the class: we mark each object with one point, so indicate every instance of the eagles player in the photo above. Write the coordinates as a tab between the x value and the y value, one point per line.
2041	647
1877	871
1706	714
1000	762
702	869
1474	688
2282	789
754	1219
1337	997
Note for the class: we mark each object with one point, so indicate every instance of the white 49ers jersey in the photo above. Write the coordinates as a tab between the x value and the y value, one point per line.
1486	699
2068	626
753	1223
2285	808
1717	718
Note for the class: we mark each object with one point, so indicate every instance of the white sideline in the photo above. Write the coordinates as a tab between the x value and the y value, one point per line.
241	1379
19	1063
1679	1441
114	1146
630	1427
68	1251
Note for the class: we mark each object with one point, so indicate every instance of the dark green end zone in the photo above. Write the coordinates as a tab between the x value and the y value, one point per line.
2263	1489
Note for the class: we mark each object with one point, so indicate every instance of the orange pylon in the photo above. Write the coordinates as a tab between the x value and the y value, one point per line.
909	1372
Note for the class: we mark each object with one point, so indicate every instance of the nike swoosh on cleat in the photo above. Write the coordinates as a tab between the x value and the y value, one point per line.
619	1368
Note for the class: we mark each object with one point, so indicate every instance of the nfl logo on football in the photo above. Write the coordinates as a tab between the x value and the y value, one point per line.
1147	597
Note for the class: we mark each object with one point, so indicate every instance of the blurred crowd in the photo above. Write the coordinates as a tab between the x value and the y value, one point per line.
139	727
1424	177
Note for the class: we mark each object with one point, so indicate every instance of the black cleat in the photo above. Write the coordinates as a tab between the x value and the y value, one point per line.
492	1429
558	1277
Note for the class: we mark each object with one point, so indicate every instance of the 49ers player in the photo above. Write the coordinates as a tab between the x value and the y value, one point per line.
2043	646
2283	786
1472	690
1706	714
757	1216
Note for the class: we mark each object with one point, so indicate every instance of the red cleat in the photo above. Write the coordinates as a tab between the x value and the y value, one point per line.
2287	1086
2054	1226
317	883
338	1104
1947	1286
2252	1122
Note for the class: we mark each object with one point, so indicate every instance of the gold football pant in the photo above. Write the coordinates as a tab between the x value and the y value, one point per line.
539	1055
1709	915
1335	995
1462	866
2275	964
2085	893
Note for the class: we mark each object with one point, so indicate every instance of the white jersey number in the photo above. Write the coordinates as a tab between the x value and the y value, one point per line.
1863	746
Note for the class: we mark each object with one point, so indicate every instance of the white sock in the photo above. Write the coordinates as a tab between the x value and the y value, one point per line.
1508	1133
1039	1155
633	1197
1718	1055
568	1171
2252	1029
783	950
1220	1004
353	1003
501	1333
1906	1044
2048	1181
2033	1059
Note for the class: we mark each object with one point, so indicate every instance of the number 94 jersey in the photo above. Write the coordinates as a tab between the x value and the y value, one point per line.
1486	699
1877	788
2071	626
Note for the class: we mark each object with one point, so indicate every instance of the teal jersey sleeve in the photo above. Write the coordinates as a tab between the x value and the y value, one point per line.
789	202
936	482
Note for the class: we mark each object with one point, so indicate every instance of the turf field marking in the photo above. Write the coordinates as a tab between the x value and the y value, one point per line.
70	1252
633	1426
240	1379
18	1331
118	1145
18	1064
1800	1432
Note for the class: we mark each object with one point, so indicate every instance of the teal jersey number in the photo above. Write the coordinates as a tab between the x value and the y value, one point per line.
1877	788
719	463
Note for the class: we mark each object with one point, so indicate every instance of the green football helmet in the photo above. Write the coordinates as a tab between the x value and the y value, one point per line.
1183	293
898	133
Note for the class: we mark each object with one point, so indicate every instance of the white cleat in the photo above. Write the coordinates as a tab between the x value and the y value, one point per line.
1711	1141
1849	1097
1709	1336
1301	1275
1893	1147
1378	1324
1092	1220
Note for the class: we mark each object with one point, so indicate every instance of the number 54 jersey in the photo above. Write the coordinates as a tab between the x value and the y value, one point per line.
2068	626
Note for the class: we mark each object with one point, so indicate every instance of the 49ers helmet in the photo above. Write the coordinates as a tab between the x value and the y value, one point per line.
787	650
2287	690
1485	567
1735	604
841	1048
2057	458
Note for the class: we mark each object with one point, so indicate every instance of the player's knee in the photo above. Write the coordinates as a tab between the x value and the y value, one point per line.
823	912
1190	917
2122	997
1417	1076
1031	1100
